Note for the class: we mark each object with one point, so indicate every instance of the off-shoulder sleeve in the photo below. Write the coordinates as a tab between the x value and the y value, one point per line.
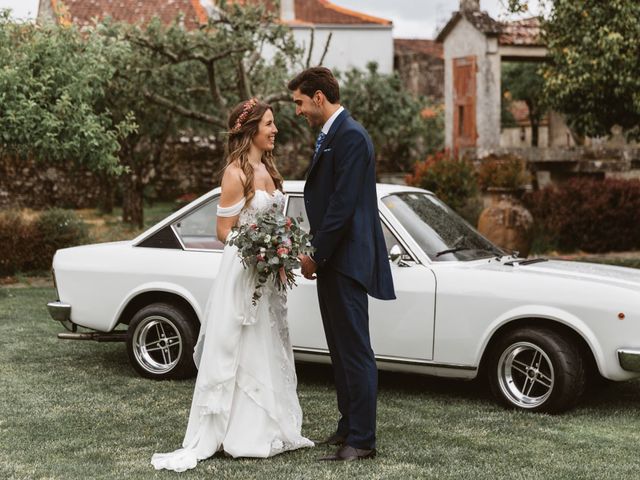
231	211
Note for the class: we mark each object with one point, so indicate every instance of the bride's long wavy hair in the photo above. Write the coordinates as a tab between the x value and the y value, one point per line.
241	132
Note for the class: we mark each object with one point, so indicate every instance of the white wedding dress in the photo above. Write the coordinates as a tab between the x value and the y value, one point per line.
245	399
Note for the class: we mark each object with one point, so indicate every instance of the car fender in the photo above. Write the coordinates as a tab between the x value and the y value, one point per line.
167	287
548	313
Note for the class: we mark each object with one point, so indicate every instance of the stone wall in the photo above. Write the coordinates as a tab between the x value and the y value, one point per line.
553	165
190	165
27	183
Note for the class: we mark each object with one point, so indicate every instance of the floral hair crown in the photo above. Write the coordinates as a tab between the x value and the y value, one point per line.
248	106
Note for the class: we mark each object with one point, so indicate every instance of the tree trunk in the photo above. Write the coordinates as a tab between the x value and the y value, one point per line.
535	126
107	190
132	199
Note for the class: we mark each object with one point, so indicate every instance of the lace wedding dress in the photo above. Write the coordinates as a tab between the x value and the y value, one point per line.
245	399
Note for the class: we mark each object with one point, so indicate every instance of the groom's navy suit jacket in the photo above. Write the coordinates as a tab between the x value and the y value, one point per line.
342	207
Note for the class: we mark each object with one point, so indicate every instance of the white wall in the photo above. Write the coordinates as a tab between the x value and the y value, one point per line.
349	47
465	40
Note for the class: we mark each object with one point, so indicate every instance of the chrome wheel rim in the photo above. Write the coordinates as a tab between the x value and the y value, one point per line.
157	344
526	375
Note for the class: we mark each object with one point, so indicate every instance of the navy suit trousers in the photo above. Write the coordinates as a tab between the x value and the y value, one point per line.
344	308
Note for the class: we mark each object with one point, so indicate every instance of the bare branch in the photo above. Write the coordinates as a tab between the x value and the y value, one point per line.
326	48
185	112
244	88
278	97
214	89
311	42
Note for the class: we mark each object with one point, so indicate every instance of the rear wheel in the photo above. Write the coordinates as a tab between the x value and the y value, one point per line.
160	342
536	369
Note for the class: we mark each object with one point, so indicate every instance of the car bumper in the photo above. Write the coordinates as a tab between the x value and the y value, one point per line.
59	311
629	359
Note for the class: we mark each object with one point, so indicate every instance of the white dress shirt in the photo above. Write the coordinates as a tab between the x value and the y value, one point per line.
328	123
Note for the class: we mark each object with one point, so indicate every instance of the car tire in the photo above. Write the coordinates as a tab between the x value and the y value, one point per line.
160	342
536	369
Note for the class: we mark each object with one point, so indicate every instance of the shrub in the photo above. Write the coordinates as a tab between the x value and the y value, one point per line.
452	180
507	171
30	244
590	215
18	240
58	228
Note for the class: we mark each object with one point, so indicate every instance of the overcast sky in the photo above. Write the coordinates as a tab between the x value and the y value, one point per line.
423	18
411	18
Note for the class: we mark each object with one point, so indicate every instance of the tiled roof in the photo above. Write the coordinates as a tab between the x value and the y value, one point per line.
521	32
425	47
325	12
479	19
82	12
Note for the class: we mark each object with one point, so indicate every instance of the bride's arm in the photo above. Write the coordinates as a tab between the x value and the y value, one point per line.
232	193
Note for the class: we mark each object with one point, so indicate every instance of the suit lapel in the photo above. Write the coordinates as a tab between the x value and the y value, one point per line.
328	139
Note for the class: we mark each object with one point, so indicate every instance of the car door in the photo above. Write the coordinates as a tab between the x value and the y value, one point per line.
400	329
199	259
403	328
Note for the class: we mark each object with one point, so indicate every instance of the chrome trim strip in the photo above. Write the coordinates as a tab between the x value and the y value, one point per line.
384	358
629	359
59	311
175	234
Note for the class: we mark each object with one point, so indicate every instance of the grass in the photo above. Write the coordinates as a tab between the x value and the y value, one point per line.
110	228
77	410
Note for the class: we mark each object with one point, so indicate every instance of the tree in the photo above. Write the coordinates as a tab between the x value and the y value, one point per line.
53	82
392	116
524	82
175	79
594	71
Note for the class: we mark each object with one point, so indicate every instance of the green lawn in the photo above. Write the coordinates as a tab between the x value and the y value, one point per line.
76	410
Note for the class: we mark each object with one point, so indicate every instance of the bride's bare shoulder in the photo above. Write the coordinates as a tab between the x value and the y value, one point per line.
232	183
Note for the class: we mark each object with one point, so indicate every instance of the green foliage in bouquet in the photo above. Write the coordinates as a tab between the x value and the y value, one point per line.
271	247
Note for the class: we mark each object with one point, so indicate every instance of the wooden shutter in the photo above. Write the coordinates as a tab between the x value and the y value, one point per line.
464	102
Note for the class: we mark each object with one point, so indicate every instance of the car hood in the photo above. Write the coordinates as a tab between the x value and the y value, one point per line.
608	274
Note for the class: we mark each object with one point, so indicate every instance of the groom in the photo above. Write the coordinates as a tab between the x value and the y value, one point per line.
350	259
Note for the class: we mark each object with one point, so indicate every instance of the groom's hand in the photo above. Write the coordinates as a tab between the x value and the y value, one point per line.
309	267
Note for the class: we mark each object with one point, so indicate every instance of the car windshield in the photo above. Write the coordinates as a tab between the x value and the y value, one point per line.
440	232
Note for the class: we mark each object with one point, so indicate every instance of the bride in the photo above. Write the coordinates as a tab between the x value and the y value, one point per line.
245	399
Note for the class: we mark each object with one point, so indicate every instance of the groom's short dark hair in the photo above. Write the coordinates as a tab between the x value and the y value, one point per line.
317	78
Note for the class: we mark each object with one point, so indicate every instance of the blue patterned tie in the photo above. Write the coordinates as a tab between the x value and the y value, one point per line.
319	141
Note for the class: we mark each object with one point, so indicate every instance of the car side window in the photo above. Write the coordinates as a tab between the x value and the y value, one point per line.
296	209
390	240
197	230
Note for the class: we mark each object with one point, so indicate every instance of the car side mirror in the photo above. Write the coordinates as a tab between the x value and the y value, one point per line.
395	254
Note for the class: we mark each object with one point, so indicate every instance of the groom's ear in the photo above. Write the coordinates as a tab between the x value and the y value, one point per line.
318	98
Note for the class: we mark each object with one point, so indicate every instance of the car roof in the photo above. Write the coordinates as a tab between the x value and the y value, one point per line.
290	186
383	189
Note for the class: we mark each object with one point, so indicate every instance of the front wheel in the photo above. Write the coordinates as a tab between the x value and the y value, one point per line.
536	369
160	342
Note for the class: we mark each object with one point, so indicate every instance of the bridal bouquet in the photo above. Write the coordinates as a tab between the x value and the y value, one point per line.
271	247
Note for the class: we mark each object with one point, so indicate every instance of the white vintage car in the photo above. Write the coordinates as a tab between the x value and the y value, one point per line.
536	328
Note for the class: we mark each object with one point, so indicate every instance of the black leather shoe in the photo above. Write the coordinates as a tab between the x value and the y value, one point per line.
347	453
335	439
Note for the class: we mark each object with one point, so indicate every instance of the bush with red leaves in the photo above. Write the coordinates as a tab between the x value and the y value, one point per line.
588	214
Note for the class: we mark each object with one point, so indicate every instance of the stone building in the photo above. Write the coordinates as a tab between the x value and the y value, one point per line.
474	48
420	64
